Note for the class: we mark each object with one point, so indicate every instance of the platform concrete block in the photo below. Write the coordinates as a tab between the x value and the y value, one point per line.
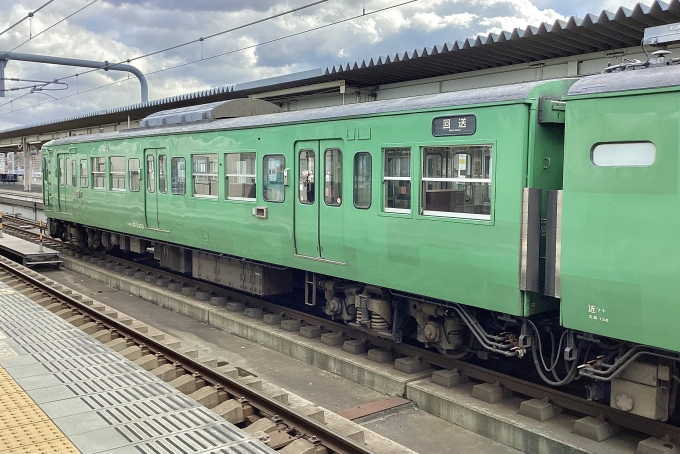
102	262
54	307
409	365
595	429
110	265
218	301
291	325
489	392
187	384
203	296
314	412
93	259
265	425
141	327
346	428
380	355
235	306
272	319
231	410
117	344
140	275
119	268
175	287
103	336
167	372
310	331
189	351
189	291
277	394
76	320
130	271
148	362
354	346
65	313
332	339
299	446
206	396
229	371
162	282
449	378
172	343
251	381
253	312
150	279
89	328
132	353
656	446
538	410
125	320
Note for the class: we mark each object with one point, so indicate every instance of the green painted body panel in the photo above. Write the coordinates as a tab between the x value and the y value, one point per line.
467	261
620	250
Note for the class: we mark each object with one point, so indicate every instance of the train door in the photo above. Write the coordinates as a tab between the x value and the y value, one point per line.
46	182
155	183
63	168
318	218
306	204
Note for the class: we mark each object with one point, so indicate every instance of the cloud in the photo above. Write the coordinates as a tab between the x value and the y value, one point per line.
116	30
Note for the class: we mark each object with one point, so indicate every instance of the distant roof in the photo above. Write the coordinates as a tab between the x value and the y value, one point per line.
574	36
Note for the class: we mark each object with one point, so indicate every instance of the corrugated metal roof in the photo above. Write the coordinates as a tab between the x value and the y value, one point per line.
574	36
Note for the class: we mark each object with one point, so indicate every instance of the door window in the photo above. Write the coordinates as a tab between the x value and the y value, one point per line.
150	174
362	180
83	173
307	175
272	186
67	169
162	174
74	173
62	173
333	181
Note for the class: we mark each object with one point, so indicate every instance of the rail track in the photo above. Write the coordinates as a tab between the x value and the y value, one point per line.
291	424
567	401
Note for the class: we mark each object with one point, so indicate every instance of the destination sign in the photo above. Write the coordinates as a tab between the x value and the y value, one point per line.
458	125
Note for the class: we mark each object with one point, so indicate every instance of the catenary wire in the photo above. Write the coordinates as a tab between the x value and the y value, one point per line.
214	56
54	25
29	15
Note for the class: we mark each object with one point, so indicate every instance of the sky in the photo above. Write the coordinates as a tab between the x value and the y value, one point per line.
333	32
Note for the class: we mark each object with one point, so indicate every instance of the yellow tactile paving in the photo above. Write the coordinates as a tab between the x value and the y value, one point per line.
24	427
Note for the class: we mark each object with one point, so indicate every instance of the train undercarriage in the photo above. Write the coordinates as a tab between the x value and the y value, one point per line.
632	378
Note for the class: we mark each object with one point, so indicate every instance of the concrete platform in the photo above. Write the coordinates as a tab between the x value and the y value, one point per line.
69	393
27	253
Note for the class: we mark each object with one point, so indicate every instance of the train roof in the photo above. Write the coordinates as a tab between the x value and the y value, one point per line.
488	95
639	79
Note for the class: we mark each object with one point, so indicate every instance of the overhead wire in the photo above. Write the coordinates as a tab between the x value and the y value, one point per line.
28	16
217	55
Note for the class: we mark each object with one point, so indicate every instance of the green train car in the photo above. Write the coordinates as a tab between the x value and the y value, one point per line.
474	222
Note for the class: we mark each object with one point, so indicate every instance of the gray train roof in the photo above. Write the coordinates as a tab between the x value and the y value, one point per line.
639	79
592	33
503	93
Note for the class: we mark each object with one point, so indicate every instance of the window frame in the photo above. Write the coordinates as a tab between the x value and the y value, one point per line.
264	178
314	174
329	184
98	173
184	176
86	177
117	174
396	211
604	146
208	175
74	174
431	214
150	173
355	181
139	175
228	175
162	173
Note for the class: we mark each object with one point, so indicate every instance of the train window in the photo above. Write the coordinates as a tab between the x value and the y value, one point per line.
178	176
205	175
241	176
62	173
272	186
397	179
332	191
307	172
457	181
135	175
83	173
623	154
98	173
74	173
67	170
150	173
362	180
162	174
117	173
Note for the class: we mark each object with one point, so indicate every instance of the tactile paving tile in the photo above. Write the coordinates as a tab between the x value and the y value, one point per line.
98	398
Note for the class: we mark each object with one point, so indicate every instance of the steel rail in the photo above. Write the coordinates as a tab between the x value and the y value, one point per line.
265	404
570	402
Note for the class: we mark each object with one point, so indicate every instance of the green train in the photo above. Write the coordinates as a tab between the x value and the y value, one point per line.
532	221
